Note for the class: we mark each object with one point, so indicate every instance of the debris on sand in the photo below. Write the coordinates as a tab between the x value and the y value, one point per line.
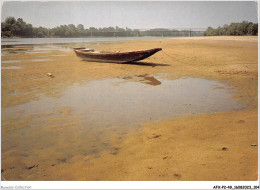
155	136
31	167
224	148
50	75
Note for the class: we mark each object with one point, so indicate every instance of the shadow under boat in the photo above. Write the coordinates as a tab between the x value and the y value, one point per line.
144	63
135	63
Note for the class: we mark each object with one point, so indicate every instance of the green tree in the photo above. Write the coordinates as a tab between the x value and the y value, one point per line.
235	29
9	27
81	30
73	30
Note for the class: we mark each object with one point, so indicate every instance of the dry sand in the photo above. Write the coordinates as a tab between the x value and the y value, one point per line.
217	146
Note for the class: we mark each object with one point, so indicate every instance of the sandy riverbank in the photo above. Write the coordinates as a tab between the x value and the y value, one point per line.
216	146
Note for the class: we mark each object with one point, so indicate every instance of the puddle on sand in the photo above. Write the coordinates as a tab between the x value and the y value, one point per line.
12	49
52	48
130	101
40	60
11	67
58	55
84	119
34	49
12	61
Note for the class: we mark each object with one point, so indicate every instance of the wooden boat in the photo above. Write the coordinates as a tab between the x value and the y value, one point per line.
114	57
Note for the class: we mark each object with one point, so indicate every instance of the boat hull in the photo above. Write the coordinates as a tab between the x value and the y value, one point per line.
118	57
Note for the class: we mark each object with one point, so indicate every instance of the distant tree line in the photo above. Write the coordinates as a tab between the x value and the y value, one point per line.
167	32
234	29
12	27
19	28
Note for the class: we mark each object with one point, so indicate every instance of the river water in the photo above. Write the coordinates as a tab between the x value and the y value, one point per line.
20	41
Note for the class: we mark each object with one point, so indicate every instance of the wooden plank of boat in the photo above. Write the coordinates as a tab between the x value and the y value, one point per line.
114	57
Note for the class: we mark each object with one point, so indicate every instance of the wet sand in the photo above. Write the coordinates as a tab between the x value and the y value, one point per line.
216	146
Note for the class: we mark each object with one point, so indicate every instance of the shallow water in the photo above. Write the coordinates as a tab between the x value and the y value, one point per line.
40	60
126	102
34	49
11	67
11	61
97	106
19	41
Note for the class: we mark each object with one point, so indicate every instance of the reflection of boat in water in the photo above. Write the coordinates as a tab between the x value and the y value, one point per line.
114	57
146	79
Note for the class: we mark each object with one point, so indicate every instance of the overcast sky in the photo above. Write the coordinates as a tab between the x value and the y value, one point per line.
132	14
